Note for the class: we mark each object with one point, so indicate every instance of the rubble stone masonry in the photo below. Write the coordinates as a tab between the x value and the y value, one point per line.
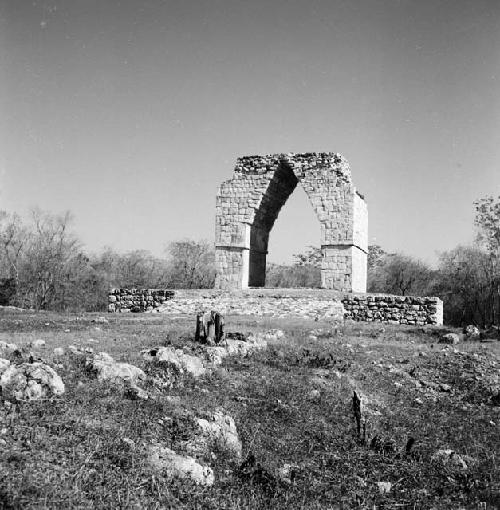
138	300
394	309
248	205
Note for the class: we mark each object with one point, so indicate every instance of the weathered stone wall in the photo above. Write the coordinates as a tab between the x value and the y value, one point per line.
305	303
394	309
138	300
249	203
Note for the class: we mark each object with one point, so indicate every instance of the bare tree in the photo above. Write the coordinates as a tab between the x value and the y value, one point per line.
487	221
13	239
399	274
463	281
52	260
191	264
298	275
312	257
376	255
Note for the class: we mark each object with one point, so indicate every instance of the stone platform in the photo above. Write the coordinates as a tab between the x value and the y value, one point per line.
301	303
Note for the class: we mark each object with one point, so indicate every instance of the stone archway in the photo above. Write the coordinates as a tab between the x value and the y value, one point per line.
249	203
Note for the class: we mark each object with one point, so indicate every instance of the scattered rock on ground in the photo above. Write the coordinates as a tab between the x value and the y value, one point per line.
176	359
236	345
450	338
384	487
288	472
215	355
58	351
107	369
314	395
37	344
100	320
4	363
173	465
129	442
173	399
220	430
12	308
30	381
77	351
472	332
4	346
450	458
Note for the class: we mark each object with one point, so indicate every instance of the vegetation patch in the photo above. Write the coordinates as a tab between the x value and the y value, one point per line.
292	406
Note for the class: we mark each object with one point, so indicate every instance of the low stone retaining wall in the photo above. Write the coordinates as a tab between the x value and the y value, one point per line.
137	300
394	309
305	303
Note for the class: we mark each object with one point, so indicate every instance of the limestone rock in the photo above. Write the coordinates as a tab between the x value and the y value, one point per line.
384	487
107	369
220	430
129	442
472	332
215	355
450	458
4	346
450	338
77	351
273	334
100	320
176	359
173	465
30	381
37	344
314	395
235	347
173	399
4	363
58	351
288	472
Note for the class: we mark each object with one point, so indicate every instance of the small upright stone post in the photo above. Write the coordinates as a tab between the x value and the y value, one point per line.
209	327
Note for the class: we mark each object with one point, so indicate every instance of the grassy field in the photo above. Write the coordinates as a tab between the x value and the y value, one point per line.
292	404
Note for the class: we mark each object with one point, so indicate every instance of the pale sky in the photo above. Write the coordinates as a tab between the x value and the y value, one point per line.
130	113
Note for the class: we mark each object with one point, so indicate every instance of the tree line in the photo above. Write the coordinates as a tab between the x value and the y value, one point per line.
43	266
467	278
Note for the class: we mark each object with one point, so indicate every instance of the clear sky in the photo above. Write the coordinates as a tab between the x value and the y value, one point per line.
131	112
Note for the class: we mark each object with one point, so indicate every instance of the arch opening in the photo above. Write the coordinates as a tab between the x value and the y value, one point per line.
295	232
281	186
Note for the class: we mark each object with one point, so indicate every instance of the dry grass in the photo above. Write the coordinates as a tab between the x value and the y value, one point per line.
69	452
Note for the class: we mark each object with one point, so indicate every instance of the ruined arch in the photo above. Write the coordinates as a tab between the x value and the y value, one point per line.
249	203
